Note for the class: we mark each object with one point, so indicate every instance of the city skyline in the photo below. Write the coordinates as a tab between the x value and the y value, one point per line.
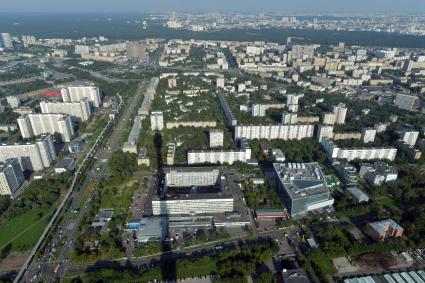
306	6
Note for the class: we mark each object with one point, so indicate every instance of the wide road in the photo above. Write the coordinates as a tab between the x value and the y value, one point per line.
281	236
43	268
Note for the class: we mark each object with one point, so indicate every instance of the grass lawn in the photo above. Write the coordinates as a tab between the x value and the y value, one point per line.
23	231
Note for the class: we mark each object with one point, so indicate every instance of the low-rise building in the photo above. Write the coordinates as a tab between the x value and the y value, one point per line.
384	229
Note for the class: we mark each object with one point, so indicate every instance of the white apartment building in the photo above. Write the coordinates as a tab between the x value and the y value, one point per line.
328	118
340	112
39	124
220	82
368	135
191	176
289	118
216	138
32	156
79	111
13	101
11	177
76	93
325	131
358	153
409	137
269	132
157	121
217	156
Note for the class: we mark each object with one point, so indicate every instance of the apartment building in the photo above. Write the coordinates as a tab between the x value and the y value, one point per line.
39	124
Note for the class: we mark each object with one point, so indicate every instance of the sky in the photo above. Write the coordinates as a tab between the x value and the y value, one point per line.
307	6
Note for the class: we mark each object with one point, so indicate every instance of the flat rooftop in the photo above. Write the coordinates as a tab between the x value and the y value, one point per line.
195	196
169	170
301	180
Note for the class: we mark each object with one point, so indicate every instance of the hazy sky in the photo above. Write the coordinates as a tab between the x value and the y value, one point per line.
213	5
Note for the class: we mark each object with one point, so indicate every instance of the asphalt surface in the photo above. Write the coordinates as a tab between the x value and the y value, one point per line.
49	268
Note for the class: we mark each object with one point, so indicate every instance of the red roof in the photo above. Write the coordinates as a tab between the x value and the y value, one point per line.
51	93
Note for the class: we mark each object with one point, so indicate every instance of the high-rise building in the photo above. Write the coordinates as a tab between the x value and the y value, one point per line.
220	82
39	124
157	121
191	176
7	40
11	177
79	92
410	137
325	131
28	40
79	111
368	135
172	83
13	101
289	118
137	50
32	156
328	118
82	50
340	112
216	138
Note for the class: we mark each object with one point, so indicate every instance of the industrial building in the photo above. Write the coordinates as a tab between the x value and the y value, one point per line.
151	229
303	187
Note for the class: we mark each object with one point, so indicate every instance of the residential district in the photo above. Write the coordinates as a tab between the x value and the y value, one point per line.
212	161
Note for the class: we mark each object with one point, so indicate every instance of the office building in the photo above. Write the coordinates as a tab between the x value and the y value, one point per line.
6	39
137	51
157	121
378	173
340	112
39	124
11	177
191	177
368	135
77	92
13	101
216	138
192	204
270	132
366	153
303	187
409	137
289	118
405	101
79	111
384	229
32	156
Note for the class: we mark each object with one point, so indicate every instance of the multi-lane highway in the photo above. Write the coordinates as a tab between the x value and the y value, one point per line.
50	263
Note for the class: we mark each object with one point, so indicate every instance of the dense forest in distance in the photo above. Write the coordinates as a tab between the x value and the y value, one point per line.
121	26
